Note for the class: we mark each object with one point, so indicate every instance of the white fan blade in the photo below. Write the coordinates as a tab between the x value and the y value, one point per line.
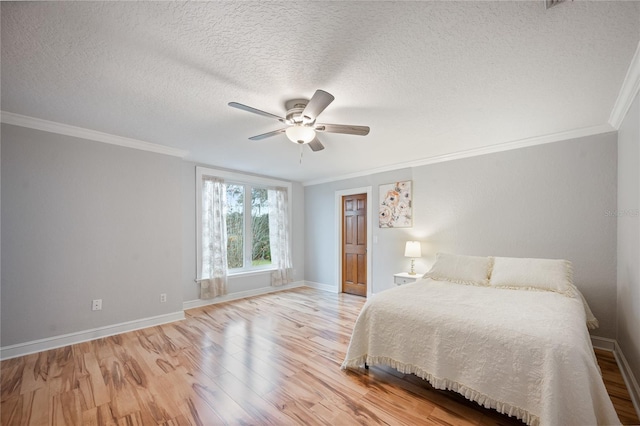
316	145
255	111
267	135
316	105
342	128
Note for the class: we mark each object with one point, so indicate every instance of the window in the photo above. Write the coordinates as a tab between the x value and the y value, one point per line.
248	244
260	245
234	218
246	216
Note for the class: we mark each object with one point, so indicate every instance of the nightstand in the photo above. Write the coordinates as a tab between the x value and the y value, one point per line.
405	278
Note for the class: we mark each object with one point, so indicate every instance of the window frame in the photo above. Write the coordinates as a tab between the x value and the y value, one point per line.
248	181
247	241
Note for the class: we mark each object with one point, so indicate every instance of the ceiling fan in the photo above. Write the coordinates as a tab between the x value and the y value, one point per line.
301	121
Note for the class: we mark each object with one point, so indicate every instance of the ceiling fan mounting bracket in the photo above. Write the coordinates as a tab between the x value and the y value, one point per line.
295	107
296	103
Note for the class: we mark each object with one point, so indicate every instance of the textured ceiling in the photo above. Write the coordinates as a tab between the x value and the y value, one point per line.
429	78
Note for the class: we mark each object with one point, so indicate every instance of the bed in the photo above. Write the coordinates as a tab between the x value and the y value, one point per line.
519	348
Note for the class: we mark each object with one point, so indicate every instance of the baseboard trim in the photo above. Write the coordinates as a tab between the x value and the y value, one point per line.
40	345
603	343
629	378
191	304
627	375
319	286
34	346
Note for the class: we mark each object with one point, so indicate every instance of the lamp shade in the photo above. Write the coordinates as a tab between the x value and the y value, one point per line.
300	134
412	249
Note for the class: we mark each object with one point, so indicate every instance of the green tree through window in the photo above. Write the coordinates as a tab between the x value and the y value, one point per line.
261	247
257	235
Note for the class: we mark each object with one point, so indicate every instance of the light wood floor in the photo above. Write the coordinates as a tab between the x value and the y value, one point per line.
272	359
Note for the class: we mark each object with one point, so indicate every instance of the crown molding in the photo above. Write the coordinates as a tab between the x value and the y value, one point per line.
79	132
491	149
628	91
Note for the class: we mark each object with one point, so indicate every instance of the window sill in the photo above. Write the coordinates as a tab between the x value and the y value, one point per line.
249	273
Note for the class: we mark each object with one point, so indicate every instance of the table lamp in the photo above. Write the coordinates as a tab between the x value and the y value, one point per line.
412	250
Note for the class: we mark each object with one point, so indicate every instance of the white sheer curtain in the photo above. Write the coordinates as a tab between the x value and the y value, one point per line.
214	238
279	237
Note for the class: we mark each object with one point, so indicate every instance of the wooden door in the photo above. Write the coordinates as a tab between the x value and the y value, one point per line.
354	244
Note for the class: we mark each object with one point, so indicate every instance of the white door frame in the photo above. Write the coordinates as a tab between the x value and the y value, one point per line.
338	209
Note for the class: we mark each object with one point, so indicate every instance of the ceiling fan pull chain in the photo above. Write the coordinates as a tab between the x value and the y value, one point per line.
301	154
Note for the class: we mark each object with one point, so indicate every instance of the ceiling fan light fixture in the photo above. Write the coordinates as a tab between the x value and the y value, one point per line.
300	134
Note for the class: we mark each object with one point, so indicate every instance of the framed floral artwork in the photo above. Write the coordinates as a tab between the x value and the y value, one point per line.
395	205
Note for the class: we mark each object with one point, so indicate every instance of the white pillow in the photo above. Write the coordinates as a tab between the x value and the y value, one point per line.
460	269
537	274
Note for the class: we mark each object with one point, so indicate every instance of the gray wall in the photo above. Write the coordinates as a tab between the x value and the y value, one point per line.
83	220
321	234
190	290
545	201
629	237
80	221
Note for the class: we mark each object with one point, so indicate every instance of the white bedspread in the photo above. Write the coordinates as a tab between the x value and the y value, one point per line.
524	353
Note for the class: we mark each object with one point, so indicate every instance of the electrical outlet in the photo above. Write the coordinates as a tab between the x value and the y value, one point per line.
163	297
96	305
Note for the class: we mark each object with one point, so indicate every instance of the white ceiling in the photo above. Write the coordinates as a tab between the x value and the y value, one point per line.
429	78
